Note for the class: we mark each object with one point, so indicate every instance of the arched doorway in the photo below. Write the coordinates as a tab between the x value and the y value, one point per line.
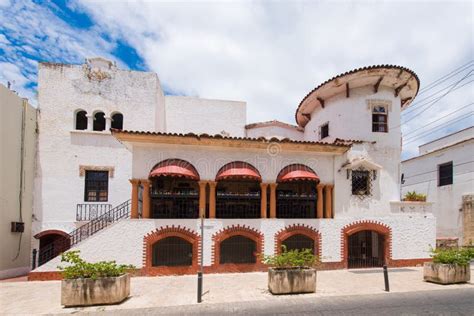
51	244
299	242
175	190
238	191
366	249
296	192
172	251
238	249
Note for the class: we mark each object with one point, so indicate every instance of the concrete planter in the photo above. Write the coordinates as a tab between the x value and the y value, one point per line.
446	273
83	292
291	281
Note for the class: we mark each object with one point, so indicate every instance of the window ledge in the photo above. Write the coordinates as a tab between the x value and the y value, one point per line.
76	131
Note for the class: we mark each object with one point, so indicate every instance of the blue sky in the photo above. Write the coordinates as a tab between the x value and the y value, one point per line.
269	54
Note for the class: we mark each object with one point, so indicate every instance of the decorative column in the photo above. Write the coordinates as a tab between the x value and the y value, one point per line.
273	200
202	198
320	201
328	192
90	122
146	198
108	123
263	200
134	204
212	199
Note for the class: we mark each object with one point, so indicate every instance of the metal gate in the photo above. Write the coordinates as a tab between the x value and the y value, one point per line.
366	250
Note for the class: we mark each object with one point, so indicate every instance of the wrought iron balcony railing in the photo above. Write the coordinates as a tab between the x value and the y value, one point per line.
87	212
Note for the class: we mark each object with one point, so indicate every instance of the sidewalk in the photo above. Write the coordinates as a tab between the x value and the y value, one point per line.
41	297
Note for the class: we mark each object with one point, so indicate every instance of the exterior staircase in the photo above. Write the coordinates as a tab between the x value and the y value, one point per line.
83	232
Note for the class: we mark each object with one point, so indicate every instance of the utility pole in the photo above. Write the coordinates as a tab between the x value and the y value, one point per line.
199	285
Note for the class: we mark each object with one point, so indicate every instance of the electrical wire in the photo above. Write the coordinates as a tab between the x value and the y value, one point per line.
445	77
426	172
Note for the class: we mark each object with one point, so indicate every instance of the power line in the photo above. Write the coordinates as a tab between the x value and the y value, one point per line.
441	125
439	98
419	103
465	106
445	77
431	180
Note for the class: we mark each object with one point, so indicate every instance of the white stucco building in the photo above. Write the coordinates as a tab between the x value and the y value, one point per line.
110	142
444	172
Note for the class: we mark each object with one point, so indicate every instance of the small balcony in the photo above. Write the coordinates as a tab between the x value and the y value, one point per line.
90	211
408	207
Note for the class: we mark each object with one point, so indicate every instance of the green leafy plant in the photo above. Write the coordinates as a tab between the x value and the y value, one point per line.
414	197
457	256
292	259
78	268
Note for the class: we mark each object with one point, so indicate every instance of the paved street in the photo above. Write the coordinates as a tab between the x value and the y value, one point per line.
224	292
442	302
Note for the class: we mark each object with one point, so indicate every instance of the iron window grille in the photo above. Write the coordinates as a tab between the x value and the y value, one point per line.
379	119
361	183
238	249
172	198
172	251
324	131
299	242
445	174
96	186
238	199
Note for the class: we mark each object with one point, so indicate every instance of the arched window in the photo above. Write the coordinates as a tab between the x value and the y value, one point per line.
172	251
99	121
298	242
81	120
117	121
238	249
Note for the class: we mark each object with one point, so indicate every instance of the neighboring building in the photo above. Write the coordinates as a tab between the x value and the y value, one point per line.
330	184
17	152
444	171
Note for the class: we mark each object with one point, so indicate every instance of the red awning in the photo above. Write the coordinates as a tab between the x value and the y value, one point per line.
175	168
297	172
238	170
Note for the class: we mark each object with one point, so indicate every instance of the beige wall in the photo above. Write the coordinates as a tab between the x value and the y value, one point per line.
13	112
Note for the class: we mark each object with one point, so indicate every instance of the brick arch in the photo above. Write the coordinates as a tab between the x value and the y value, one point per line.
52	232
298	229
170	231
236	230
358	226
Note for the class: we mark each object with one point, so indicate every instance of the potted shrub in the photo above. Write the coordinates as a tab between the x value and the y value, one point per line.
414	197
292	271
449	266
85	283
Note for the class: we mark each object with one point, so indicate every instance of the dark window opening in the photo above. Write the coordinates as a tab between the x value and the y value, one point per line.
99	121
366	250
117	121
238	249
324	130
174	198
299	242
81	120
445	174
172	251
238	199
379	119
96	186
296	199
360	182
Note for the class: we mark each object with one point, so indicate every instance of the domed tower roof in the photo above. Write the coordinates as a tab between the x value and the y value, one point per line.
403	80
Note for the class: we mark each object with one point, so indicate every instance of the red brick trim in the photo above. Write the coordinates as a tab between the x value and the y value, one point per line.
52	232
298	229
231	231
177	231
45	276
358	226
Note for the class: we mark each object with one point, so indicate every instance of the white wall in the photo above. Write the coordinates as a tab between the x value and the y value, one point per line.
63	89
412	235
421	175
270	131
196	115
447	140
17	117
